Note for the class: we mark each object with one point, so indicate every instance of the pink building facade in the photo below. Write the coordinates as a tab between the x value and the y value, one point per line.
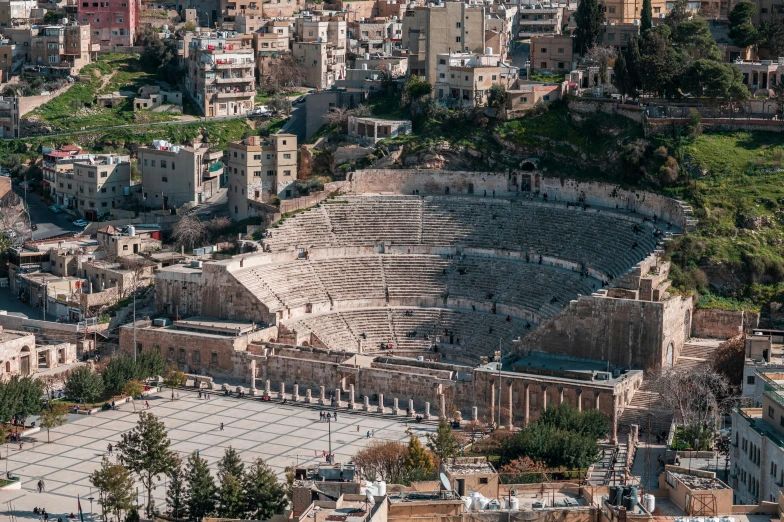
112	22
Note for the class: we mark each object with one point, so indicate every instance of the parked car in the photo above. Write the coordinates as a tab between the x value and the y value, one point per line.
33	226
55	208
81	223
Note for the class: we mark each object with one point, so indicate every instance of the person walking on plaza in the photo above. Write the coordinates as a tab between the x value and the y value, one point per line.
40	486
109	448
221	428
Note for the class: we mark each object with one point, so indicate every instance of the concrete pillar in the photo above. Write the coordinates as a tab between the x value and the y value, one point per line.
252	378
350	396
492	403
544	397
337	397
295	395
381	408
366	403
323	396
442	406
614	439
309	396
527	407
596	397
579	399
427	410
395	408
267	389
282	394
561	398
411	412
511	409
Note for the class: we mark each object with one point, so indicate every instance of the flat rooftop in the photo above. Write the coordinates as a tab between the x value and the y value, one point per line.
468	466
219	326
699	483
12	335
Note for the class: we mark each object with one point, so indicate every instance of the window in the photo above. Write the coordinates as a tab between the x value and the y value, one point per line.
287	173
171	354
284	142
91	174
104	174
152	163
196	357
257	156
103	190
270	173
481	78
163	164
165	179
458	25
544	50
286	156
145	163
457	39
560	65
172	165
750	379
610	37
495	77
612	10
544	65
104	204
182	354
483	480
442	61
214	358
771	412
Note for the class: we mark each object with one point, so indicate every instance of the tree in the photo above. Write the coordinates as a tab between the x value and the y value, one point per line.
715	80
84	385
646	18
730	359
53	417
589	17
417	88
443	442
418	460
189	232
231	497
692	40
175	492
264	495
279	104
658	67
175	379
693	395
145	450
600	57
381	460
778	97
497	98
523	470
678	13
230	464
771	34
200	490
281	73
133	389
742	30
116	487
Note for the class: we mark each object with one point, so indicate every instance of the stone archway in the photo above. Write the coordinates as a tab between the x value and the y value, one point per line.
24	361
687	325
669	356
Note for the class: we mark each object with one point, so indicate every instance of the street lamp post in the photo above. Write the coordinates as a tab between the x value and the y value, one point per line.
329	427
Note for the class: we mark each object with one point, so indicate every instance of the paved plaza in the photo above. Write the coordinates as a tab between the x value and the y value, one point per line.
281	435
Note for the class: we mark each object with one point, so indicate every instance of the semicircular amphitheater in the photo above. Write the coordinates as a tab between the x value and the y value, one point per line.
410	274
404	284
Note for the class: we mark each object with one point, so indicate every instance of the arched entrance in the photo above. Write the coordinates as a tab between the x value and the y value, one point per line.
24	361
668	360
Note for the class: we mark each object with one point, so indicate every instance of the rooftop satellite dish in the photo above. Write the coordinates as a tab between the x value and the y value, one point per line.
369	498
445	483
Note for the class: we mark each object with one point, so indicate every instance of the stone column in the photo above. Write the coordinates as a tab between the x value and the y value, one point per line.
309	396
615	420
442	406
596	399
323	396
381	408
267	388
511	409
427	410
395	409
474	414
492	403
337	397
350	396
295	395
252	378
282	394
544	397
561	398
579	399
411	412
366	403
527	411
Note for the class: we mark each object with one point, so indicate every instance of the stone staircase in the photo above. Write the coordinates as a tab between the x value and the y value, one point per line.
644	409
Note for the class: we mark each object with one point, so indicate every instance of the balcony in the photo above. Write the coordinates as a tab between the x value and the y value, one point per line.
239	79
235	94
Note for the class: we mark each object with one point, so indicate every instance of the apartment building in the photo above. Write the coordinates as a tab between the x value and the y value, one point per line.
59	161
153	96
59	50
539	19
95	184
12	59
221	76
323	62
270	44
113	22
552	53
618	35
465	79
627	11
16	12
321	28
757	451
438	29
396	66
9	117
173	175
258	169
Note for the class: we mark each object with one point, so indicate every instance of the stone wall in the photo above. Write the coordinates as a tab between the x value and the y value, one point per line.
633	112
722	324
54	331
666	125
224	298
406	181
628	333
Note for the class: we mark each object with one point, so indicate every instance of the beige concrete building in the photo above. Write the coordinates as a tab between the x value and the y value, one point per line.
539	19
60	50
60	161
16	12
321	28
94	185
270	44
9	117
20	355
259	169
324	63
618	34
465	79
153	96
372	130
220	76
447	28
627	11
552	53
128	241
12	58
173	175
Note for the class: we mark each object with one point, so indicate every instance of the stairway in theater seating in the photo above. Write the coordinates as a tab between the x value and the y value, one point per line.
644	406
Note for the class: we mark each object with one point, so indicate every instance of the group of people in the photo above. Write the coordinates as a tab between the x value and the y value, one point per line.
325	417
43	515
205	394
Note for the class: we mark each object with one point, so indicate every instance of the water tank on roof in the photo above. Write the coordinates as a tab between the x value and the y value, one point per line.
488	50
364	67
649	502
514	504
367	56
131	230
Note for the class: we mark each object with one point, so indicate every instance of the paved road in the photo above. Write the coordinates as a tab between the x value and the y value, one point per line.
49	223
296	124
10	303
